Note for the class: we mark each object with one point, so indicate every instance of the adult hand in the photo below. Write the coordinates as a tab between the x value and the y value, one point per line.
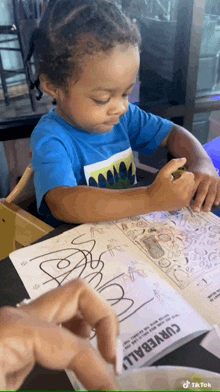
207	186
30	335
168	194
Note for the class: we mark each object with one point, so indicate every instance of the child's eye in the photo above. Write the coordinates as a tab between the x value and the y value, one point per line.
100	102
126	95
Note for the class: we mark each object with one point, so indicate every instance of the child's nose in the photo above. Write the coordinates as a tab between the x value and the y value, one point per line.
118	108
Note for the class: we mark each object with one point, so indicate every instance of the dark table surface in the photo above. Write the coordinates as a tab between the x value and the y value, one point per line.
13	291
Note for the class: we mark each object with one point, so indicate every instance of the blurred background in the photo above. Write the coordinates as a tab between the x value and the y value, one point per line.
179	74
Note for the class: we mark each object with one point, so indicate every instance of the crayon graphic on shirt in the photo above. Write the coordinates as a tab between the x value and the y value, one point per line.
116	172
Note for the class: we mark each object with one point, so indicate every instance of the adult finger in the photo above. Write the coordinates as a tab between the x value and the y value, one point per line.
62	304
16	347
28	340
57	348
78	326
15	378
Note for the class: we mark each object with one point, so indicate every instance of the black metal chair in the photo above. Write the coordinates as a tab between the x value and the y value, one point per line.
19	33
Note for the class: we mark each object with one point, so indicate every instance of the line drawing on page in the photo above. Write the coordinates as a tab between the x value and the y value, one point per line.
78	261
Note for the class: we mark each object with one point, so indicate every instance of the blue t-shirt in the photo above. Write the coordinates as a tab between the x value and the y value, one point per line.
64	156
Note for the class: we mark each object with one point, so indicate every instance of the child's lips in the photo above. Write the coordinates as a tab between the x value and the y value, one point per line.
112	123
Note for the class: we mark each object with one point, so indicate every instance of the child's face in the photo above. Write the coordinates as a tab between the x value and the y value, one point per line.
100	98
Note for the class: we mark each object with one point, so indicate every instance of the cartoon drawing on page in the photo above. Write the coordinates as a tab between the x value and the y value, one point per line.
115	245
130	276
99	228
161	295
214	229
94	229
172	247
124	226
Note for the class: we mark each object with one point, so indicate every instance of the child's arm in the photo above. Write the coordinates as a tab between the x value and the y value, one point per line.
180	143
83	204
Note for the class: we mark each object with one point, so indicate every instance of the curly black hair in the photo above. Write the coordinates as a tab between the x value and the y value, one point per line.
70	29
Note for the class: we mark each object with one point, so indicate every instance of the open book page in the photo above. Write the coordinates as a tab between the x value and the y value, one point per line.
154	318
185	248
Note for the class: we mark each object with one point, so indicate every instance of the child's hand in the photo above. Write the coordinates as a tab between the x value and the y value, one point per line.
207	186
167	194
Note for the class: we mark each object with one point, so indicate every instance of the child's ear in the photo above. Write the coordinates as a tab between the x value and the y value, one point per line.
48	87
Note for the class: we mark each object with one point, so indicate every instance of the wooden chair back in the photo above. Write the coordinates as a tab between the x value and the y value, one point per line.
18	227
24	189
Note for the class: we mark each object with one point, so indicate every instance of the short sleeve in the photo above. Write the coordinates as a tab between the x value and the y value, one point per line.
146	131
52	166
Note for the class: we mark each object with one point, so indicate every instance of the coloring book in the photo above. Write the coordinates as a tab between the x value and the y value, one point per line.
160	272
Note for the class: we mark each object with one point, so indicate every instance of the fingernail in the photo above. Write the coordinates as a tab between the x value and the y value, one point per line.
25	301
119	356
196	209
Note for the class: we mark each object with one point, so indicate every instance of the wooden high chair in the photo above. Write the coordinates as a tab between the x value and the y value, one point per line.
24	190
18	227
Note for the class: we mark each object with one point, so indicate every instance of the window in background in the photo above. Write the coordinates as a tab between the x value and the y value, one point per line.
206	126
206	120
157	21
209	63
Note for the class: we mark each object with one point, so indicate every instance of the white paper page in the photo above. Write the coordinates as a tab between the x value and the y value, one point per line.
185	248
211	341
152	315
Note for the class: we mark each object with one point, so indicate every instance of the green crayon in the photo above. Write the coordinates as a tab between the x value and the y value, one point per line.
178	172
